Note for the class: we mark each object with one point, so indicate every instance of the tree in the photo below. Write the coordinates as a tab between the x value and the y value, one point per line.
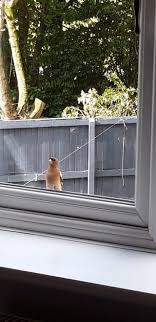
16	54
73	43
67	46
8	9
6	104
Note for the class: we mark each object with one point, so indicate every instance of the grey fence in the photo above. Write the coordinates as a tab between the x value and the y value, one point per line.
104	166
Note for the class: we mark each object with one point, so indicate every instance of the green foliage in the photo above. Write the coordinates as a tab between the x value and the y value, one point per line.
117	100
69	45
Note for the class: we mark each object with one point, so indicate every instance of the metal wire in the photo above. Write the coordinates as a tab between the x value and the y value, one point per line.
79	148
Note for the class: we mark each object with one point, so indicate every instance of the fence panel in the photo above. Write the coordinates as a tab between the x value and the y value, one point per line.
25	147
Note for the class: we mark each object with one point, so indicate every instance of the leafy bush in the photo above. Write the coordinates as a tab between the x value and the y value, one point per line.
116	100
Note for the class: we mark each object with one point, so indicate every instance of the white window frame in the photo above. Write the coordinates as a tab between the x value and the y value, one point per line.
96	218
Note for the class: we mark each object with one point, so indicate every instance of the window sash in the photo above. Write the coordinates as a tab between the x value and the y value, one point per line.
146	61
100	219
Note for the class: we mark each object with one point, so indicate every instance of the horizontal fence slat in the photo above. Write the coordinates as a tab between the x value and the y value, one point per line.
54	122
66	175
113	120
40	177
41	123
115	173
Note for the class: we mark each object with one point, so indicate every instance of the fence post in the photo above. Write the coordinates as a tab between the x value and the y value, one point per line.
91	155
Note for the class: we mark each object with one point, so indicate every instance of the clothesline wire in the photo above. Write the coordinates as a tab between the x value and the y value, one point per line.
85	144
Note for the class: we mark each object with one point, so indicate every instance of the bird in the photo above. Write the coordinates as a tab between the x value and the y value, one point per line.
54	180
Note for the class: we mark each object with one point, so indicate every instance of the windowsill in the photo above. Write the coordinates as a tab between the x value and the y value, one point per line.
80	261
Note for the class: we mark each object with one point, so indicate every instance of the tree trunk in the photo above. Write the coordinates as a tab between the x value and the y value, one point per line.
8	112
23	16
14	43
37	109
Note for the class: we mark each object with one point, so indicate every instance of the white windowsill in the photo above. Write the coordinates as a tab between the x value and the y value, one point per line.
80	261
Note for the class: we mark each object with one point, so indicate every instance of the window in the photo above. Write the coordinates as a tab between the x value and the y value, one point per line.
96	218
96	156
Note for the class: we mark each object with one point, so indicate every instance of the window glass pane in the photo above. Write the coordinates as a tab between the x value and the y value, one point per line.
68	91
